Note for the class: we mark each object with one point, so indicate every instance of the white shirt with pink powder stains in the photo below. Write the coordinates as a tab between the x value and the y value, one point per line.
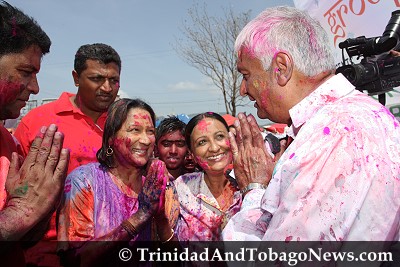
338	180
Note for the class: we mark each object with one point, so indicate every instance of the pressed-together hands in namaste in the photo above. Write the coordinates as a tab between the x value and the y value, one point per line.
252	163
34	188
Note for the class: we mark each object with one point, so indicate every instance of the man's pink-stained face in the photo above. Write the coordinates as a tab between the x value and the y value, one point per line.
258	85
18	80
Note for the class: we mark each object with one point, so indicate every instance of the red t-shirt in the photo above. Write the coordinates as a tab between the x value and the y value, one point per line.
81	135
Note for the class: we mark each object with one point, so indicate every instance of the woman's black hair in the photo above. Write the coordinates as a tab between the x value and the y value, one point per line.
116	116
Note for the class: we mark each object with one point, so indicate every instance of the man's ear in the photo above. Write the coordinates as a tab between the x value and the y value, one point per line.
76	78
283	65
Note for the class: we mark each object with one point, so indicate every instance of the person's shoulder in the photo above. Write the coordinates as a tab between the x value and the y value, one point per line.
40	111
82	178
364	111
86	171
188	178
49	108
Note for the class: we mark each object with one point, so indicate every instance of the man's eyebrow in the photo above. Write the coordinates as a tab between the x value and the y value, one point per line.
96	75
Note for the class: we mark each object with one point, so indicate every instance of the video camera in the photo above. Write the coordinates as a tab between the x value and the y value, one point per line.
374	74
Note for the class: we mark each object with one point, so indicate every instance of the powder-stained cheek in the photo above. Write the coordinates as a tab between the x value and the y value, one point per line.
123	144
264	95
9	91
202	163
122	141
228	143
256	84
152	139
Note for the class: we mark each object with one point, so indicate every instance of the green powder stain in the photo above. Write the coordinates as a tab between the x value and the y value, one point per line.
21	191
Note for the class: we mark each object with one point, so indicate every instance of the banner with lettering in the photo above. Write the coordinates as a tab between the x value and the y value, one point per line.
344	19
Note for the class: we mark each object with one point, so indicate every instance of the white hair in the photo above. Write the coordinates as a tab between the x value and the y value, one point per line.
290	30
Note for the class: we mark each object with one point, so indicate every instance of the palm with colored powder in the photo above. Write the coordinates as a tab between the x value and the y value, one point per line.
152	196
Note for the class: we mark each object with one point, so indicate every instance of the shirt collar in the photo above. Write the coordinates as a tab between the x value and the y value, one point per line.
64	104
334	88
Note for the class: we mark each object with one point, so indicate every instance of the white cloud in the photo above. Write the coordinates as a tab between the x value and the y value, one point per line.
204	85
183	86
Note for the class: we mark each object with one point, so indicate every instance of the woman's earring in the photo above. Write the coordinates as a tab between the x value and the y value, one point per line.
109	151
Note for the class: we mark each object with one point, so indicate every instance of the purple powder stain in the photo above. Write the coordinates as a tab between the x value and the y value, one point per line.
327	131
291	156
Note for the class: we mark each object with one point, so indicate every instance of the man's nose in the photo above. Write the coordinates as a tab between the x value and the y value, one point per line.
107	86
33	85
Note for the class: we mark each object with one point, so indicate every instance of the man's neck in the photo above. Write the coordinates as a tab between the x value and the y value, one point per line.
176	172
94	115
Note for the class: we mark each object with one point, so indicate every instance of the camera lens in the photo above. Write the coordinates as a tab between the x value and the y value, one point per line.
393	27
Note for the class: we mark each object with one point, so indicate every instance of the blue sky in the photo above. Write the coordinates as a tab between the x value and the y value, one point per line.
142	32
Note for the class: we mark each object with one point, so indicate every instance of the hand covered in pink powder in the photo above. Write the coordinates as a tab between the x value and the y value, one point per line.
152	196
251	161
35	187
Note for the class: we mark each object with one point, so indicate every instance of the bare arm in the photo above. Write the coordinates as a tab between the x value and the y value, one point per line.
34	189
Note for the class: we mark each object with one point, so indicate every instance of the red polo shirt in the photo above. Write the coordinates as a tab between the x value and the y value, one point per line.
81	135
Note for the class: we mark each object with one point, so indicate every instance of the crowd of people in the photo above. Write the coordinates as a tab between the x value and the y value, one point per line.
90	167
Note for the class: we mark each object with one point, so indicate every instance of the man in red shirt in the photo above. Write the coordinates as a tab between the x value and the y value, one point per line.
81	117
29	193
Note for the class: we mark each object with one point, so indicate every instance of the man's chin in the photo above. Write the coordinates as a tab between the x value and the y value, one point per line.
172	166
9	115
261	114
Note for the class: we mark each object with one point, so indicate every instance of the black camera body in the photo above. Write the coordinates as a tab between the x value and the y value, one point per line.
374	74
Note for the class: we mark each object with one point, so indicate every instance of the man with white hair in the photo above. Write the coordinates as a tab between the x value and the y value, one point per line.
339	179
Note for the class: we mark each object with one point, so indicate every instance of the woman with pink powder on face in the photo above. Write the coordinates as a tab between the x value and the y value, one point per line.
208	199
117	198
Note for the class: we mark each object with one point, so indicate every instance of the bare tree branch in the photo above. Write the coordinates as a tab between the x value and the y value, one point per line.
208	46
